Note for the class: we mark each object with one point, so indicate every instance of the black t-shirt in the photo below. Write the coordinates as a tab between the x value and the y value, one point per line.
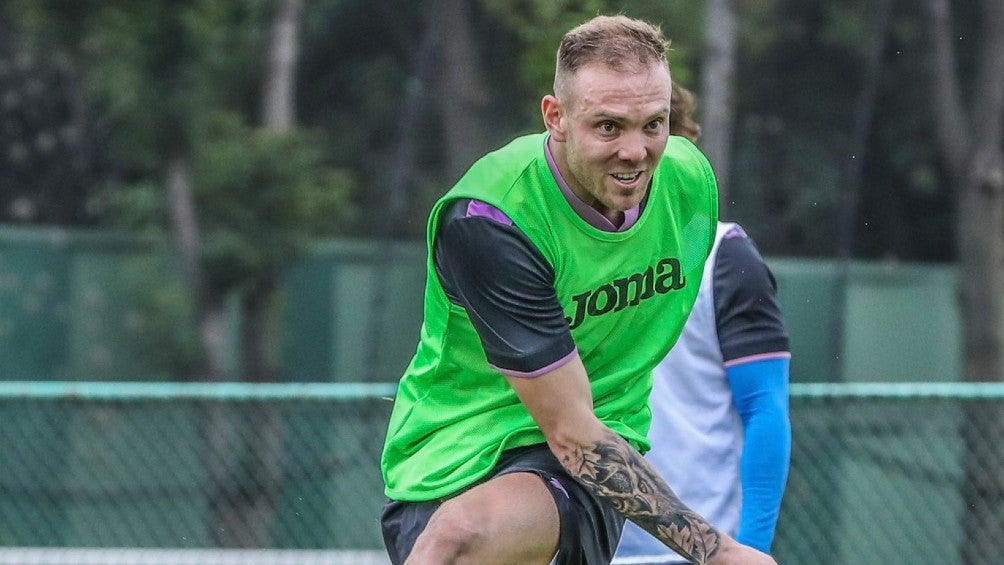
747	312
491	269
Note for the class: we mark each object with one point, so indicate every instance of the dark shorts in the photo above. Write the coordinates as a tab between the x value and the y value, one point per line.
590	527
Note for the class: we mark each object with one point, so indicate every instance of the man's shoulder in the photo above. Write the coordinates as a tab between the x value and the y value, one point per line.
736	246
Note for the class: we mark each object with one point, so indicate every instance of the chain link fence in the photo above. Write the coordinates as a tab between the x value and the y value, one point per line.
880	474
895	473
191	466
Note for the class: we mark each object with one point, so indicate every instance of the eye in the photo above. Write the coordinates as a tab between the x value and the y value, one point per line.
607	127
655	125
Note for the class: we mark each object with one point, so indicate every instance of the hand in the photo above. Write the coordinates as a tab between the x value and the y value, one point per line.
735	553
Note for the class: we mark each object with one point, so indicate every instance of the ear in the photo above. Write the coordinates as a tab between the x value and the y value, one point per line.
554	117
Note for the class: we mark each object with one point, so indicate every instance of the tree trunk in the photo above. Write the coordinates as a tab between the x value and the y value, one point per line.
980	246
217	426
402	165
210	316
399	178
255	464
463	97
861	128
972	146
717	97
245	506
279	99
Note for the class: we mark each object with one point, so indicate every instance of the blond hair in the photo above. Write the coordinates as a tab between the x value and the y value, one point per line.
619	42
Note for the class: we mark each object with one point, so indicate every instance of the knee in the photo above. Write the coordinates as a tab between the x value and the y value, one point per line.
448	538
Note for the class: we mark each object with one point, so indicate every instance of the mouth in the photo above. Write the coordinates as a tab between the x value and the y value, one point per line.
627	180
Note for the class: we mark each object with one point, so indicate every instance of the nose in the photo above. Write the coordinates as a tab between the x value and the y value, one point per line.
632	147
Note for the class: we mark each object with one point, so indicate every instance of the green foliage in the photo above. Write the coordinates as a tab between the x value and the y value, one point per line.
261	197
682	22
844	24
774	158
161	320
539	26
162	74
172	78
153	68
762	24
139	208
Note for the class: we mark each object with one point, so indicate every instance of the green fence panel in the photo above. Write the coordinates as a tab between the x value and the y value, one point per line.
179	465
33	307
808	292
76	306
352	311
880	472
902	324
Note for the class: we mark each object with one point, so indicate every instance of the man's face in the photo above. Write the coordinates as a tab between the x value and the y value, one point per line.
610	129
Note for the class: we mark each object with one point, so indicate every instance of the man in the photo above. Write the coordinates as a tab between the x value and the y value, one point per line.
720	429
561	269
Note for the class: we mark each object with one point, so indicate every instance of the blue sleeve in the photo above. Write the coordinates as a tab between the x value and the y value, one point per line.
760	392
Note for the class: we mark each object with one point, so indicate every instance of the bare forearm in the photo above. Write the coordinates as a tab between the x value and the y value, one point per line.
616	472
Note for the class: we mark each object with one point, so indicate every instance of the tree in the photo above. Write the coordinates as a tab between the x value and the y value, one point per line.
971	140
47	163
718	83
463	96
176	83
247	520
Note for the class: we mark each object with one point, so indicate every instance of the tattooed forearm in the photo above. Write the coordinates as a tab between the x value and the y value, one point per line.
615	471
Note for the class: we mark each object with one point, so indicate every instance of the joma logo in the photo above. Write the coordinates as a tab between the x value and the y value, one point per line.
617	295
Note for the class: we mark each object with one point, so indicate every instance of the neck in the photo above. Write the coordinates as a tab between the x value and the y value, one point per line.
615	217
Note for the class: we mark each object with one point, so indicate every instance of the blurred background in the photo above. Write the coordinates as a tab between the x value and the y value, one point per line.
211	256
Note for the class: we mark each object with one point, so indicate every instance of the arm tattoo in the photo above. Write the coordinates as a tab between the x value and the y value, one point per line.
616	472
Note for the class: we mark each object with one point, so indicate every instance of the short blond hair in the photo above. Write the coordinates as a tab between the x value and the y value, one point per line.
619	42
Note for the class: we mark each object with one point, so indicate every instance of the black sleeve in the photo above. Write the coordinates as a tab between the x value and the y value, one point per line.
492	270
746	305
